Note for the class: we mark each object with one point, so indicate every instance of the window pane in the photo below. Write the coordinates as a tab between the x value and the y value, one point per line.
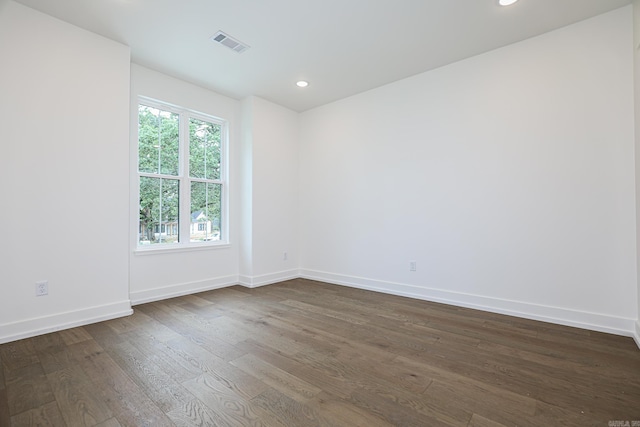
205	211
158	141
159	200
204	149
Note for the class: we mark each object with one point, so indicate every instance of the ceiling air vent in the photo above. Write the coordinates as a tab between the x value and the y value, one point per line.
228	41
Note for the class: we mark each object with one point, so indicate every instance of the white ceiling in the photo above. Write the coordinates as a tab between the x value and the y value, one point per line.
342	47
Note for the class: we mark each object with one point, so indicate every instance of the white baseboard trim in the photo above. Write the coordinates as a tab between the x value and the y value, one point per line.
56	322
180	289
562	316
268	279
37	326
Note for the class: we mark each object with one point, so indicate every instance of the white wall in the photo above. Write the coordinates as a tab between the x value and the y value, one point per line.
636	74
157	276
507	177
246	191
270	176
64	112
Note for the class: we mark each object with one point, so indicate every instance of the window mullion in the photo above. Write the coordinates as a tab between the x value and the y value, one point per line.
185	196
158	175
224	180
205	180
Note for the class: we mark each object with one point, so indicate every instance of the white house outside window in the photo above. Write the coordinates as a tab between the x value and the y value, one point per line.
181	170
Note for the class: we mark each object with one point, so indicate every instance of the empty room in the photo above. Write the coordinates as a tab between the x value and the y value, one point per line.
320	213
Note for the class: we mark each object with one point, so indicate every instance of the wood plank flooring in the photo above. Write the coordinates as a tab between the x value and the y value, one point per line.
305	353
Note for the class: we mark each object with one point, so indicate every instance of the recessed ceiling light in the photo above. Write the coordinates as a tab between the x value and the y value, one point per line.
506	2
302	83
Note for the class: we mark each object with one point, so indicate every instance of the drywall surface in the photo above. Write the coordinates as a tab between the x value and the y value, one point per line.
636	74
508	178
270	193
64	163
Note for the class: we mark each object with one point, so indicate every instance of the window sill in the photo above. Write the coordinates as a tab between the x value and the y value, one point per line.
144	250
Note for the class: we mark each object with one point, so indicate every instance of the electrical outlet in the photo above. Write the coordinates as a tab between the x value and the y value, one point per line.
412	266
42	288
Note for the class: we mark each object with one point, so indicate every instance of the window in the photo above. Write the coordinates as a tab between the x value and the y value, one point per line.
181	170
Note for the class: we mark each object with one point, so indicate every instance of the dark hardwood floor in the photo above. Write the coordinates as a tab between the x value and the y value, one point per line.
304	353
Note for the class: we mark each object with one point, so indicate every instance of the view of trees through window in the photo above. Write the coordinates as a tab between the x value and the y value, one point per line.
180	173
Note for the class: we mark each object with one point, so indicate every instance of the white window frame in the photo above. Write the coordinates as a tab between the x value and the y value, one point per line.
184	220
